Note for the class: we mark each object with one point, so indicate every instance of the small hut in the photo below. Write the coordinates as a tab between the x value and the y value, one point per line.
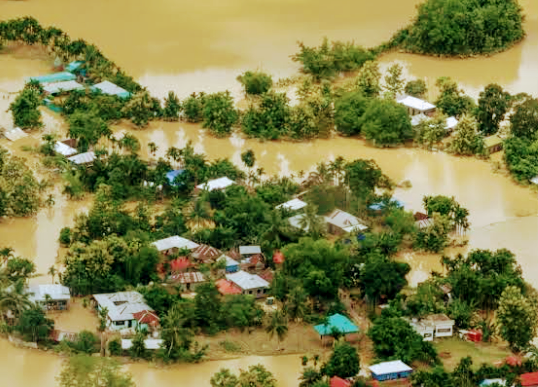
493	143
336	324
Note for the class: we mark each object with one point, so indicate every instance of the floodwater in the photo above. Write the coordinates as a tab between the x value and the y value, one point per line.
189	46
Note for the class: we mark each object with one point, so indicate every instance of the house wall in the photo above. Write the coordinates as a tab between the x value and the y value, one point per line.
232	269
444	330
335	230
257	293
54	305
396	375
117	325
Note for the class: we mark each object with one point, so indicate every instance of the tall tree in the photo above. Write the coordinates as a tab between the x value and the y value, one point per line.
86	371
277	325
368	79
172	107
34	325
348	112
517	317
467	141
394	82
386	123
452	101
524	120
493	103
344	361
24	109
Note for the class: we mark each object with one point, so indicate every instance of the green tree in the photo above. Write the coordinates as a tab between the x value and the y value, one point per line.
368	79
87	128
517	318
172	107
493	103
208	306
463	375
416	88
344	361
86	371
255	82
431	131
386	123
24	109
382	278
224	378
348	113
138	348
139	109
219	114
52	273
394	83
434	238
14	298
34	325
452	101
270	120
524	120
467	140
277	325
193	107
248	158
297	303
256	376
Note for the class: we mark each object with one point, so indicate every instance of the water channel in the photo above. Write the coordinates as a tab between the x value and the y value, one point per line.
189	46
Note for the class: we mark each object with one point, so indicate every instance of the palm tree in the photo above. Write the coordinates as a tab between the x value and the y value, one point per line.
278	229
337	169
173	153
15	299
312	223
174	333
52	272
5	254
199	214
278	324
152	147
103	319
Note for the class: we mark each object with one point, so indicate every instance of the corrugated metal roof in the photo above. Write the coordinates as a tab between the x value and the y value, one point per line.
176	242
56	293
249	250
122	305
56	77
188	278
220	183
336	322
295	221
293	205
109	88
416	103
64	149
229	261
451	123
227	287
247	281
390	367
345	221
58	87
15	134
83	158
206	253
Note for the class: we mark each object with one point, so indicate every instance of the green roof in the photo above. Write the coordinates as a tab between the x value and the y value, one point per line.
492	141
336	322
56	77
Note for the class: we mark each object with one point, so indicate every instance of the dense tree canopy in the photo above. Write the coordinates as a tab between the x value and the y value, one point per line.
517	316
348	113
386	123
493	103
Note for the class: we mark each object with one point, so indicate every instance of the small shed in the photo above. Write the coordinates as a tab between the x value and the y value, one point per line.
390	370
443	325
336	323
474	335
171	176
83	158
15	134
107	87
216	184
231	264
64	150
292	205
493	143
189	279
62	87
416	105
206	254
529	379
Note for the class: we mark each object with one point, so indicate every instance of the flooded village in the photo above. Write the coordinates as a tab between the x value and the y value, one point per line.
180	247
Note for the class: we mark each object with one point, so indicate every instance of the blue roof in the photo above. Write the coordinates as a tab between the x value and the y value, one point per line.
171	176
380	205
489	382
56	77
337	322
74	65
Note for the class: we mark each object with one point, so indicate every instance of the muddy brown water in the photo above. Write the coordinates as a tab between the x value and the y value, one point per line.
190	46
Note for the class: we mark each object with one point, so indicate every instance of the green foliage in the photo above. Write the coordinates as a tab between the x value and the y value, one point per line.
521	157
86	342
270	120
114	347
24	109
158	297
467	141
464	28
138	348
381	278
172	107
255	82
431	131
386	123
493	104
33	325
344	361
193	107
524	120
86	371
394	339
394	83
517	318
452	101
364	176
416	88
18	268
139	109
87	128
326	61
219	114
348	113
427	300
434	238
461	312
437	377
256	376
208	306
241	311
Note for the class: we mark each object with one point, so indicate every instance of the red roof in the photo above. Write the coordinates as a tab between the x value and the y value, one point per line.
513	361
146	317
267	275
278	257
420	216
339	382
530	379
180	264
226	287
206	253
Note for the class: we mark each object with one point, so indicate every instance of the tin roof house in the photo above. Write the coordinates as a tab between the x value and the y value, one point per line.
249	283
340	222
173	244
50	297
216	184
416	106
390	370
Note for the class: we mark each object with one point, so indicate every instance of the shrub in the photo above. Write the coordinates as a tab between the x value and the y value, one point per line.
219	113
255	83
349	110
416	88
114	346
65	236
386	123
192	107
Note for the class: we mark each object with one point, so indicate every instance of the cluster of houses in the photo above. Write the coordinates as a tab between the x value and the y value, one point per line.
420	110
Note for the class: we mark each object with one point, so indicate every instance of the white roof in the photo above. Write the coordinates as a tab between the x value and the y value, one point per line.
451	123
109	88
229	261
220	183
247	281
122	305
57	87
82	158
64	149
416	120
176	242
390	367
15	134
345	221
56	292
248	250
148	343
292	205
416	103
295	221
534	180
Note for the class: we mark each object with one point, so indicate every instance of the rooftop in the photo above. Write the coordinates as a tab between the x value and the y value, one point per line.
220	183
15	134
339	382
336	322
292	205
176	242
58	87
226	287
56	292
295	221
56	77
82	158
247	281
489	382
171	176
529	379
64	149
416	103
188	278
491	141
439	318
248	250
345	221
229	261
206	253
390	367
122	305
107	87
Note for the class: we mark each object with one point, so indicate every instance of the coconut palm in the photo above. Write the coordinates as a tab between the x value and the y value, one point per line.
152	147
15	299
277	231
278	324
5	254
52	272
312	223
198	214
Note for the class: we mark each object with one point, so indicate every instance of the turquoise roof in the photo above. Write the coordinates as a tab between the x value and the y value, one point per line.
336	322
74	65
56	77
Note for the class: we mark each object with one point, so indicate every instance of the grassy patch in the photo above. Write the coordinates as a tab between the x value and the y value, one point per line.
230	346
479	352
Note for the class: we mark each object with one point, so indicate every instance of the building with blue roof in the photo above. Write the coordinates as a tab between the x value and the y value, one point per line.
56	77
381	205
107	87
74	66
336	323
171	176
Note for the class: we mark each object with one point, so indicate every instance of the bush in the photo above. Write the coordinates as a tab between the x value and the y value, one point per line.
255	83
219	113
521	157
86	342
114	346
465	27
386	123
192	107
416	88
270	120
348	113
65	236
